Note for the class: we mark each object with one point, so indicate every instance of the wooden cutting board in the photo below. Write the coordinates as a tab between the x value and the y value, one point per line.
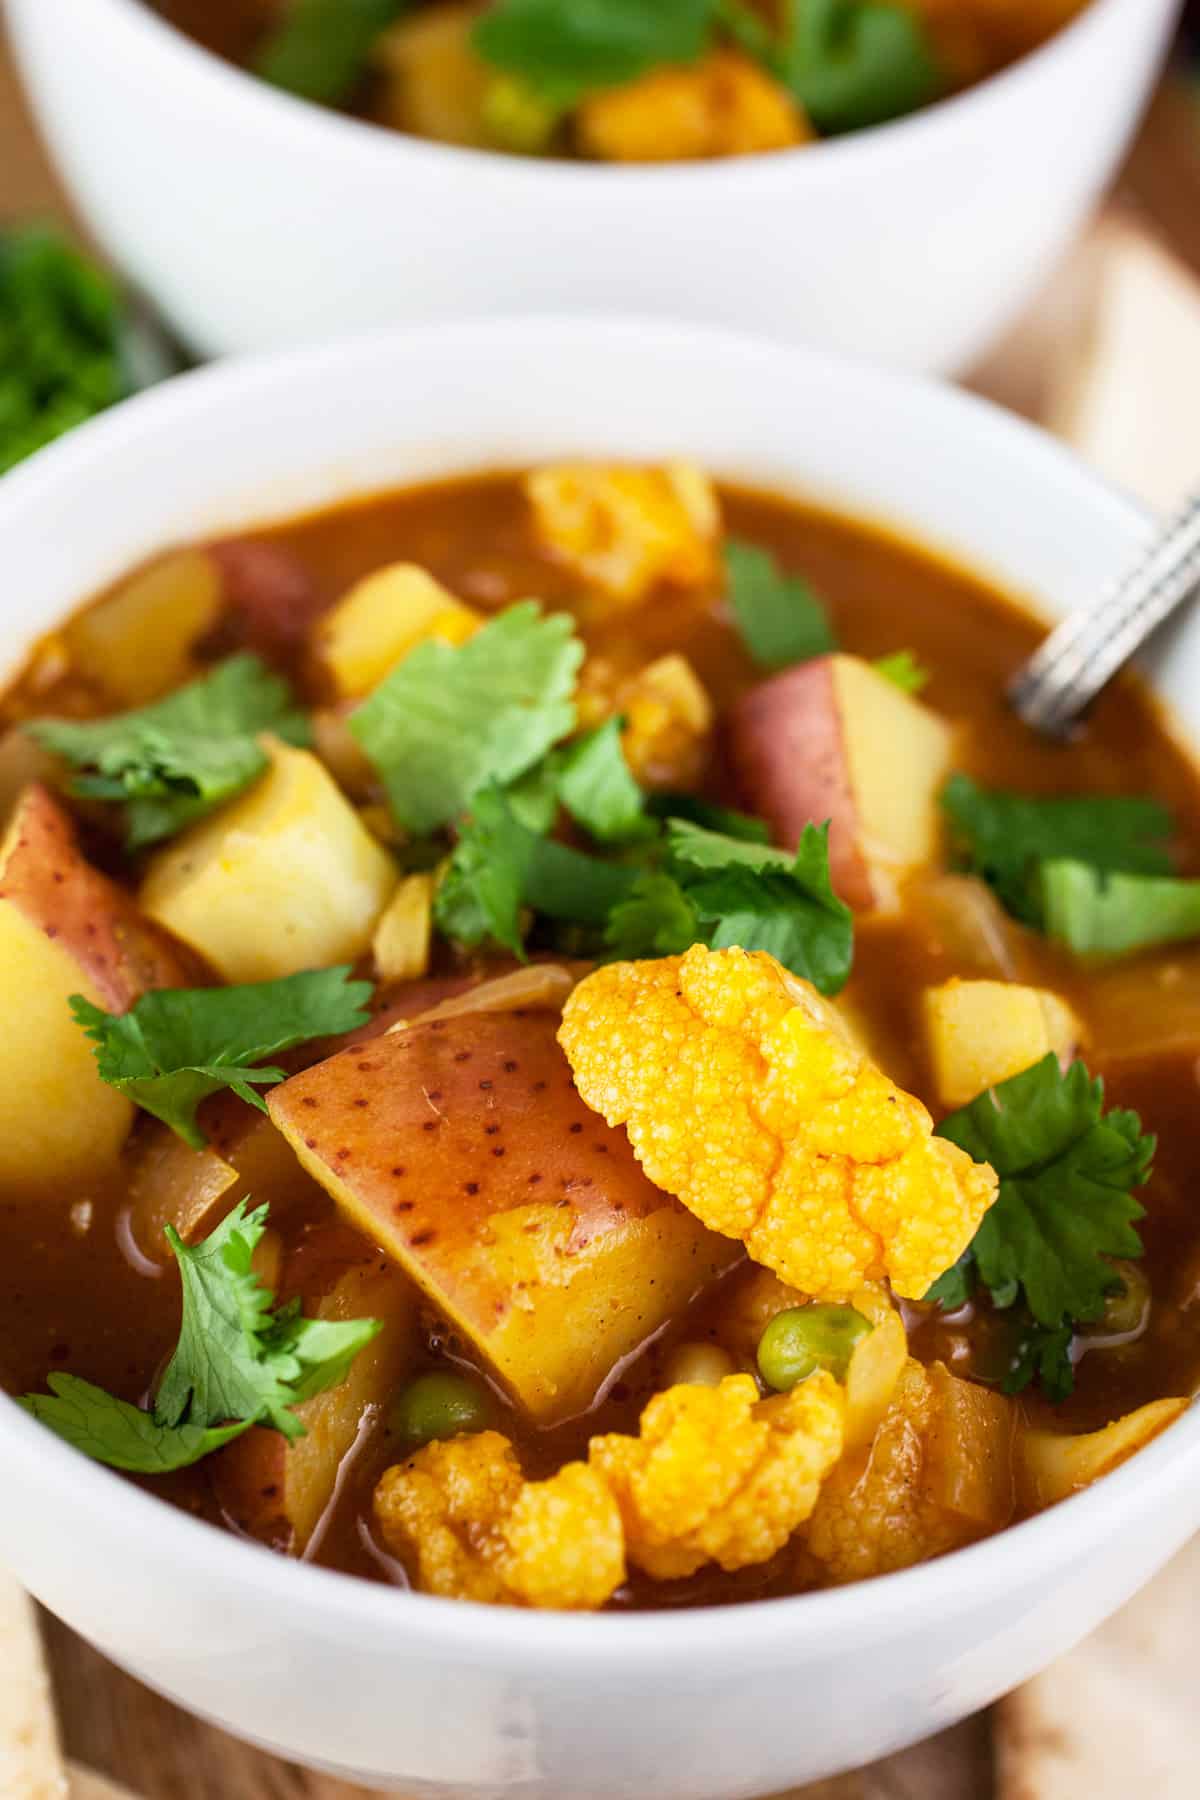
111	1723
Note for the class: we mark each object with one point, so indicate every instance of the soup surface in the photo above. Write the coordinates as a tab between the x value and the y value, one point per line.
629	83
647	1225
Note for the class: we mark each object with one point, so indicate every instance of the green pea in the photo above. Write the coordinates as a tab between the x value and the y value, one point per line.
438	1405
805	1338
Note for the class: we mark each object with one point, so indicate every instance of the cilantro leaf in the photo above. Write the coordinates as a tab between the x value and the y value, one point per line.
903	670
61	330
175	1046
1043	1354
760	898
655	919
778	615
564	49
171	763
123	1436
500	866
320	48
1095	912
236	1364
452	717
1005	836
855	63
713	817
235	1359
1065	1207
598	790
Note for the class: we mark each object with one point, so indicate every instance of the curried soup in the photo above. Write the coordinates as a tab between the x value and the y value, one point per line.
654	1094
623	81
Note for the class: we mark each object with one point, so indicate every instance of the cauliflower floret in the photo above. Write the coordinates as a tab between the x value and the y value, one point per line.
462	1517
744	1096
723	106
718	1475
938	1474
668	716
625	529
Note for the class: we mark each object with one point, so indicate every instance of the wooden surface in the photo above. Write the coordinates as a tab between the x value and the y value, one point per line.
110	1722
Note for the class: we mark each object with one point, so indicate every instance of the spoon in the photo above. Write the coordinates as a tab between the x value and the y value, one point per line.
1081	656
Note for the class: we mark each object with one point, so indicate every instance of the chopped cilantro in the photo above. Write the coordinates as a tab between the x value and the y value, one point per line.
451	718
173	762
778	615
904	671
61	331
1005	837
655	919
563	49
1043	1354
1095	912
1065	1206
855	63
176	1046
236	1364
320	48
598	790
714	818
759	898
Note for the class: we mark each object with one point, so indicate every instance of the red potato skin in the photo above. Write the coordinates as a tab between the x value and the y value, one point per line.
787	751
271	599
117	947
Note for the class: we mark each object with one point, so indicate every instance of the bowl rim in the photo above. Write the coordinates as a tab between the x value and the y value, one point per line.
349	1606
343	132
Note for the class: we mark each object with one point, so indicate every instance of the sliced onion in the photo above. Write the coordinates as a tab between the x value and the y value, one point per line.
543	987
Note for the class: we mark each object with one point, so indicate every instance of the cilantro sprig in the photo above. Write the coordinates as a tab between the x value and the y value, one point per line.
175	761
320	48
903	670
779	616
1100	913
452	718
1065	1206
1006	837
176	1046
238	1362
564	49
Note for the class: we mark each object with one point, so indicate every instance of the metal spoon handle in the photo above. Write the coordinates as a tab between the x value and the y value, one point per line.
1082	655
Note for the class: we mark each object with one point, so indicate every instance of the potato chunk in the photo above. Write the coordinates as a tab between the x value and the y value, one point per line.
65	929
284	878
137	643
431	81
833	739
462	1147
978	1033
1051	1465
626	529
382	618
280	1491
724	106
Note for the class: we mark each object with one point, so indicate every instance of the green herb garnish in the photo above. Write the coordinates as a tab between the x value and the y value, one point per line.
1102	913
320	48
778	615
903	670
176	1046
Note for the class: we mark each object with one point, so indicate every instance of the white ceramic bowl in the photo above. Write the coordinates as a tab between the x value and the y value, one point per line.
256	220
447	1699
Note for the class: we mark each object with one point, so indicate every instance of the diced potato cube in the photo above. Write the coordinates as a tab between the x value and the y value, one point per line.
668	723
725	105
402	937
969	1451
978	1033
834	739
284	878
432	82
382	618
172	1184
462	1147
65	929
279	1491
876	1365
1052	1464
137	643
626	529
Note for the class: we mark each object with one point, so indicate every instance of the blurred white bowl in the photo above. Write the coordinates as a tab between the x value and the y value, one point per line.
257	220
458	1702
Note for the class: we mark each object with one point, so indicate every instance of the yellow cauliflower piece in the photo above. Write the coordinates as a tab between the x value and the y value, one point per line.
744	1095
723	106
718	1475
625	529
467	1524
668	723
